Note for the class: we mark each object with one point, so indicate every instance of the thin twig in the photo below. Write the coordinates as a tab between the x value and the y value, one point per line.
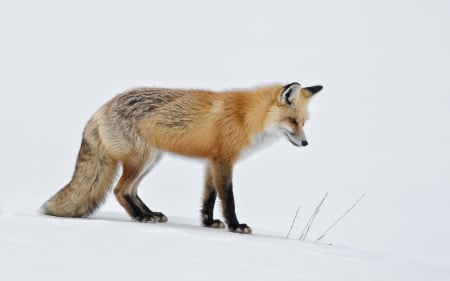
311	220
340	218
293	222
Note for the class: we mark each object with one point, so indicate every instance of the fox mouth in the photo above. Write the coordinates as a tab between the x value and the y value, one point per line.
295	140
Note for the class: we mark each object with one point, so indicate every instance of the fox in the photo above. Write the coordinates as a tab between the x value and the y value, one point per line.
135	128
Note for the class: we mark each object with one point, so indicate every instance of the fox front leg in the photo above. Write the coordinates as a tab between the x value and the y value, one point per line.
222	174
209	200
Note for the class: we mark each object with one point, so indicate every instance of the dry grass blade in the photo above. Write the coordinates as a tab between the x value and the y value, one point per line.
340	218
293	222
311	220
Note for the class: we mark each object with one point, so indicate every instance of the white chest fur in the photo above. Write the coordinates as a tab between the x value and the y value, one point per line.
259	142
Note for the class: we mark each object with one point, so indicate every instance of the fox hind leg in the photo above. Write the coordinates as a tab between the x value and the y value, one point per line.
134	171
209	199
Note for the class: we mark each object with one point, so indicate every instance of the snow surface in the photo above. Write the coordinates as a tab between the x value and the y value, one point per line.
379	127
109	246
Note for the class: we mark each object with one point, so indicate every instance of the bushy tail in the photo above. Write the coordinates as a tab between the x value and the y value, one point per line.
94	173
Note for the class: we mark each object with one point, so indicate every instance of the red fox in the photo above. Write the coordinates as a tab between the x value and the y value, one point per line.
136	127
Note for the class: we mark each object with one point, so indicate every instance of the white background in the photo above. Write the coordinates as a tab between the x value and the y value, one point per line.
380	126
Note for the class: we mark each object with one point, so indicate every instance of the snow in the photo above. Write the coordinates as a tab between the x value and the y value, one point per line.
109	246
380	127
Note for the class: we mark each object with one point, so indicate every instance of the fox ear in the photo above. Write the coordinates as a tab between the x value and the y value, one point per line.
311	91
289	93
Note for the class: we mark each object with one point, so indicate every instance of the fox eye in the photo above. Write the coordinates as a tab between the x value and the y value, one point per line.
293	121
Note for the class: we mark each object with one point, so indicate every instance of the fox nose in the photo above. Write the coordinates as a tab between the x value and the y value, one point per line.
304	142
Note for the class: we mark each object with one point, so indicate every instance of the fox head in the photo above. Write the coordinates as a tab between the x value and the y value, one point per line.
290	112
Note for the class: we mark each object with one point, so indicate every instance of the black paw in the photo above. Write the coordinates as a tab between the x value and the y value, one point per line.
214	223
240	228
152	217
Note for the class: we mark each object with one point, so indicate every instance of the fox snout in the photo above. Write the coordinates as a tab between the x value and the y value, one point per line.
297	137
298	142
